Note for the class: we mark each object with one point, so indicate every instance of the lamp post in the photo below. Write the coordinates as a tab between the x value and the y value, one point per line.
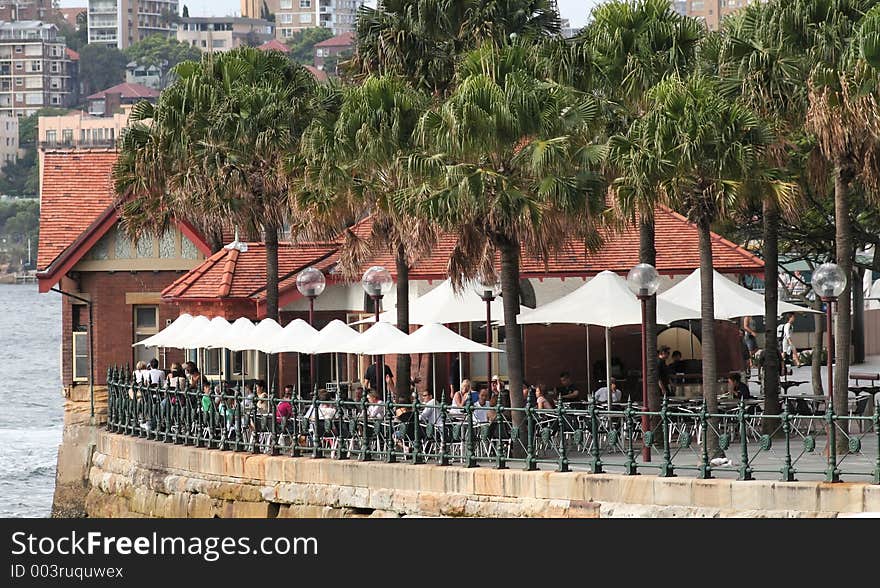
311	283
488	290
377	282
643	280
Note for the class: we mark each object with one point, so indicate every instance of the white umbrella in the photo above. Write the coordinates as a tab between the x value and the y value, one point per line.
179	338
263	335
444	305
731	299
205	336
378	335
159	339
238	334
434	338
297	336
605	301
335	337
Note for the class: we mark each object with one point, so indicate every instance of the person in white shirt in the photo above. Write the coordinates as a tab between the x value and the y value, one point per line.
375	406
602	393
157	376
141	373
788	348
430	410
482	408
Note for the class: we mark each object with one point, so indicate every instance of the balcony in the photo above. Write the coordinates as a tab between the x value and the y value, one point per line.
89	144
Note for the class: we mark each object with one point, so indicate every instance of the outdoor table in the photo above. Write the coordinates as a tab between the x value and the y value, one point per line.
786	384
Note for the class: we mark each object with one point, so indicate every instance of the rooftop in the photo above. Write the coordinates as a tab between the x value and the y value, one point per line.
343	40
127	90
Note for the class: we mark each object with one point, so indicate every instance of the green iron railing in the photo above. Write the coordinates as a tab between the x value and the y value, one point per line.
682	440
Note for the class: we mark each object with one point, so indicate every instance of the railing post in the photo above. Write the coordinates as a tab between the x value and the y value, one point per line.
666	468
563	457
343	432
444	457
705	470
417	430
316	424
832	474
469	458
745	470
531	463
629	466
365	431
499	459
596	464
787	469
876	419
392	441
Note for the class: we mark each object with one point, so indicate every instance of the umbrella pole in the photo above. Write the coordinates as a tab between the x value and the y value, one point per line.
608	369
589	367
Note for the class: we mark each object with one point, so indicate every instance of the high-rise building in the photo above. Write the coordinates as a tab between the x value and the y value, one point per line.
25	9
259	8
712	11
122	23
33	68
222	33
295	15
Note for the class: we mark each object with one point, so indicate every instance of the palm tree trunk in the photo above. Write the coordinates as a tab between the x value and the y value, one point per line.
648	254
512	334
771	307
843	334
271	240
707	333
404	361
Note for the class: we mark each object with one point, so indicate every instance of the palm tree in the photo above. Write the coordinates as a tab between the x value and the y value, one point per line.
634	45
703	153
214	147
510	167
358	158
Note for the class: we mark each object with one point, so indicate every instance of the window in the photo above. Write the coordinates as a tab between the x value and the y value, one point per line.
305	3
305	17
146	324
239	363
218	43
51	136
285	18
212	362
67	136
36	66
286	4
80	336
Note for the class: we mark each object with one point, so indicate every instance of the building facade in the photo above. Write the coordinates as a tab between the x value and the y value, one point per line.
34	68
113	100
712	11
80	130
295	15
259	8
329	52
25	9
122	23
8	140
224	33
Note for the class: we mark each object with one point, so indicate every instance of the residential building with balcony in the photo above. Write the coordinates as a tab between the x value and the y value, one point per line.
712	11
224	33
81	130
121	23
34	68
295	15
9	149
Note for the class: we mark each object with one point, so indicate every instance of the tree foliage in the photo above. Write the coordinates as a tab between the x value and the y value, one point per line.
101	67
302	43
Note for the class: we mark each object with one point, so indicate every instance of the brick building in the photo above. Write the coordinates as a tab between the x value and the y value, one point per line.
84	254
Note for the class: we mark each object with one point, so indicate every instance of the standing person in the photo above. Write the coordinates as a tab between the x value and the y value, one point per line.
789	351
749	338
371	381
663	380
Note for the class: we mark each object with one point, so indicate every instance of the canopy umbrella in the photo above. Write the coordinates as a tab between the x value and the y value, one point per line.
377	336
297	337
731	299
263	336
434	338
179	338
335	337
605	301
237	335
205	336
444	305
159	339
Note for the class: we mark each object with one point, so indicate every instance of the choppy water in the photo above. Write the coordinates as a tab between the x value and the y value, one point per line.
31	403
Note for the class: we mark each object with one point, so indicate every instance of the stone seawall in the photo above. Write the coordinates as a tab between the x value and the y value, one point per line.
132	477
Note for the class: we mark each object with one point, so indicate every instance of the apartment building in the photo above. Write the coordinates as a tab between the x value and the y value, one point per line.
294	15
224	33
259	8
121	23
25	9
81	130
712	11
33	68
8	140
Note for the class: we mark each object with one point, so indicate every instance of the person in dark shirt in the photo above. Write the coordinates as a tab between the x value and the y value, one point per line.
737	388
371	382
677	366
663	371
566	391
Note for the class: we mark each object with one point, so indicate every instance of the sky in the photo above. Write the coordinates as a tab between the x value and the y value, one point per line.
575	11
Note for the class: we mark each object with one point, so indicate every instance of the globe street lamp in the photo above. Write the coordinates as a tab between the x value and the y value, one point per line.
488	290
377	282
829	282
311	283
643	280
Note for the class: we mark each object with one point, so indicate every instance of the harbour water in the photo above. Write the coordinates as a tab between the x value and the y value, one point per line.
31	417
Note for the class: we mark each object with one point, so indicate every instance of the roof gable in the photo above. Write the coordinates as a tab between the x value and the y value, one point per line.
342	40
126	90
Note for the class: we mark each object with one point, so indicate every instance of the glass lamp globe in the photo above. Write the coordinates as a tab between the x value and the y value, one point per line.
486	289
829	280
643	280
311	282
377	281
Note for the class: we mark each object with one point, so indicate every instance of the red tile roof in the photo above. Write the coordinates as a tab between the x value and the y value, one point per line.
343	40
230	273
319	74
72	55
242	275
127	91
274	45
76	191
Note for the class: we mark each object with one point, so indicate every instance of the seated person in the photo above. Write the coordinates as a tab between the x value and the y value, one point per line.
566	391
736	387
677	366
430	412
375	406
482	406
285	407
542	399
602	393
461	396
